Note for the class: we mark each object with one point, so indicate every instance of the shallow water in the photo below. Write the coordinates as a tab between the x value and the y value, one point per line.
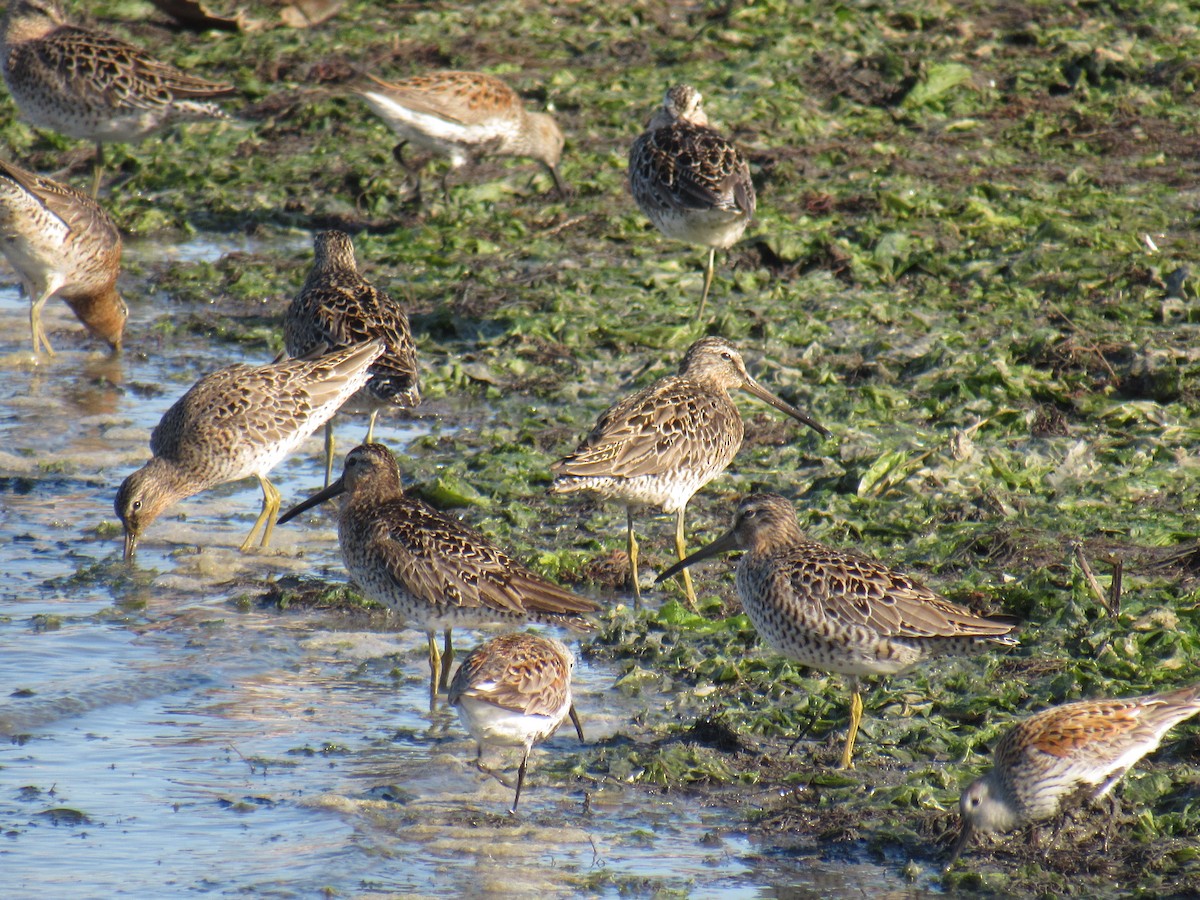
167	739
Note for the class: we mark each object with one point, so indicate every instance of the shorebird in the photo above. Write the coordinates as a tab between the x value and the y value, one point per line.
237	422
430	568
92	86
336	308
515	691
659	446
836	611
62	244
464	116
693	184
1047	759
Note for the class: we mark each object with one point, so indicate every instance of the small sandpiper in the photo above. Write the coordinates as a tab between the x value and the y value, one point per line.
236	422
837	611
659	446
62	244
515	691
464	116
336	308
1047	759
432	570
92	86
691	182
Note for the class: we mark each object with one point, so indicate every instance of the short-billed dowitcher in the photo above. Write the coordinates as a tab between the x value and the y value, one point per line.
839	612
464	116
430	568
62	244
1047	759
337	307
659	446
514	691
92	86
237	422
693	184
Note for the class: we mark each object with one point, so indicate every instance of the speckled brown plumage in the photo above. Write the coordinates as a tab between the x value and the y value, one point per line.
659	446
62	244
691	182
837	611
237	422
336	308
90	85
1049	757
515	690
463	116
435	572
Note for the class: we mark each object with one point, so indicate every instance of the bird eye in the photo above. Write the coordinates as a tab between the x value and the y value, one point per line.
137	504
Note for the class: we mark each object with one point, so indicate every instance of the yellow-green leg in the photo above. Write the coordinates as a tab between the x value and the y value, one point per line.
633	559
856	712
681	549
329	443
266	518
708	277
97	169
35	324
435	666
447	662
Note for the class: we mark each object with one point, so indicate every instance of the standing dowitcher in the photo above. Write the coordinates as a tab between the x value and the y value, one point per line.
514	691
691	182
92	86
1047	759
430	568
464	116
662	444
62	244
839	612
337	307
237	422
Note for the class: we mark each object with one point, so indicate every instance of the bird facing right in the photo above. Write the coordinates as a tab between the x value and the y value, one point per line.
336	308
514	691
659	446
691	182
836	611
92	86
1046	759
428	567
62	244
463	116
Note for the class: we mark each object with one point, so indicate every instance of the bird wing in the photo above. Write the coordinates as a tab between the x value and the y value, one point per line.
104	70
338	310
464	98
642	433
438	559
694	168
270	405
519	673
76	210
854	590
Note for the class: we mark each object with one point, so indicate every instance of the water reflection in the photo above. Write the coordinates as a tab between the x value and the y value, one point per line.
207	746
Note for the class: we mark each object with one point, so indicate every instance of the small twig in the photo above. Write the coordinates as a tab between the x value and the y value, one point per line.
1114	589
1093	584
253	768
1091	345
564	225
